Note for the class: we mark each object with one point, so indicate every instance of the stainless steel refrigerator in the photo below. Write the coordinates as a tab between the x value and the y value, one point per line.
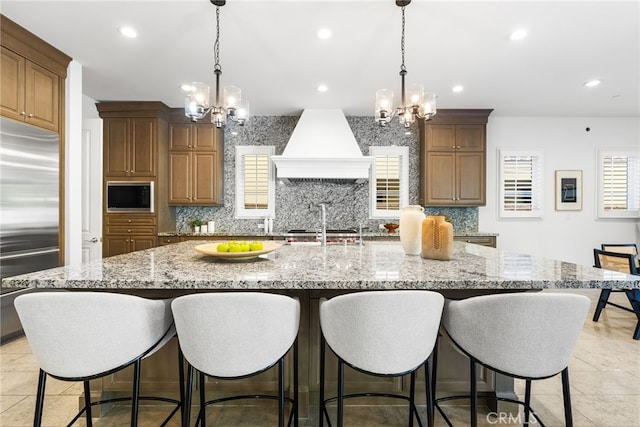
29	209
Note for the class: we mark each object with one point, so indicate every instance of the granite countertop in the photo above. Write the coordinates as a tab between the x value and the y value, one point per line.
365	235
374	265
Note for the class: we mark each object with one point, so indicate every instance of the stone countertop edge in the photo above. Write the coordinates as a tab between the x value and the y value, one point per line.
372	266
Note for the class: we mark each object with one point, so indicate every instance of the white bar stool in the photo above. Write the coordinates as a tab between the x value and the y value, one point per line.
80	336
384	333
530	336
231	335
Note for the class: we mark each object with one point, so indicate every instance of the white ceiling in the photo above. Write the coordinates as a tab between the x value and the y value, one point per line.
270	50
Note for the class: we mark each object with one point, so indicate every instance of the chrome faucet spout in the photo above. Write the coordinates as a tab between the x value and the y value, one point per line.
324	223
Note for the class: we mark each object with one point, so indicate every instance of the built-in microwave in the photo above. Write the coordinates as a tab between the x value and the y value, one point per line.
128	196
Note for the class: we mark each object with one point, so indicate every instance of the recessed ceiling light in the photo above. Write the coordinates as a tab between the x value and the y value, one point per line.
457	89
591	83
518	34
322	88
324	33
128	32
186	87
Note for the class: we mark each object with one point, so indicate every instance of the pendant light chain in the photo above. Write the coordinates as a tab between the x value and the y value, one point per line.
402	67
216	46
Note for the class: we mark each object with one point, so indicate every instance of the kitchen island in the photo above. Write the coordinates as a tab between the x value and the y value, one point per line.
312	272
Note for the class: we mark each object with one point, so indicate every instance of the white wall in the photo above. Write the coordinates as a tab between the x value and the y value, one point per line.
564	235
73	164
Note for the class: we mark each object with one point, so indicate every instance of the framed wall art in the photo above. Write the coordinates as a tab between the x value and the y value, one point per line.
569	190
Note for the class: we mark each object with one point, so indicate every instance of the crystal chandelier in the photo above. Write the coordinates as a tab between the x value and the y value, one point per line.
415	102
196	103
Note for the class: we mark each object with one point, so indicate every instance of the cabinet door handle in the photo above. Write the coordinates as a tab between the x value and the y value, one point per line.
30	115
128	231
129	220
22	113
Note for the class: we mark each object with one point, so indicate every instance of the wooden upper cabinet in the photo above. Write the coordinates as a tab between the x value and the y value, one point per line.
130	147
33	74
198	137
195	165
13	87
453	158
455	137
30	92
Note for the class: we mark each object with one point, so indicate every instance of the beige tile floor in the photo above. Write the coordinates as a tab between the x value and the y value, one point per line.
604	371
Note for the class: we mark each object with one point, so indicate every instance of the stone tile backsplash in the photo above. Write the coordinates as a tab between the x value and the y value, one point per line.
297	203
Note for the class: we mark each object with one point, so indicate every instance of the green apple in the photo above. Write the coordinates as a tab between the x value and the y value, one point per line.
223	247
256	246
235	248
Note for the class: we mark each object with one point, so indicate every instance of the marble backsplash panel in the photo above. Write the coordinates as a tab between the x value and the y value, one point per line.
297	203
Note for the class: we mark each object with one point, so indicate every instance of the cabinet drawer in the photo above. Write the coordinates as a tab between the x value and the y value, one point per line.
478	240
169	240
123	229
130	220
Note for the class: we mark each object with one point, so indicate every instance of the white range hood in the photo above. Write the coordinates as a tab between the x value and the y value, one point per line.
322	148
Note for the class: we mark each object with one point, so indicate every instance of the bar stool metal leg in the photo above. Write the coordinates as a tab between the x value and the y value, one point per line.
321	408
474	392
340	393
566	395
412	397
87	403
527	401
295	384
37	417
186	415
135	393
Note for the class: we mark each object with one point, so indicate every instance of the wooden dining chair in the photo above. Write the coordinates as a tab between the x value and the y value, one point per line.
623	262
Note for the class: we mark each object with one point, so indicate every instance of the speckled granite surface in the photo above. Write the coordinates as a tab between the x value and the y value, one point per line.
375	265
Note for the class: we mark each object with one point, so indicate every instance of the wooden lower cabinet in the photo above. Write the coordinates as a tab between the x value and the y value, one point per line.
116	245
124	233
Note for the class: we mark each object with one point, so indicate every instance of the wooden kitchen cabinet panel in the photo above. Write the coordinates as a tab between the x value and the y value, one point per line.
454	179
197	137
30	92
453	158
195	165
180	177
455	137
195	178
117	244
470	181
130	147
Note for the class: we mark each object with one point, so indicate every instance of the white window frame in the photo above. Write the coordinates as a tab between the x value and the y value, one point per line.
633	188
240	211
537	184
403	152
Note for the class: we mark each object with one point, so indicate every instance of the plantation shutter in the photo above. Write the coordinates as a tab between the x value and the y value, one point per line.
256	181
388	182
521	184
